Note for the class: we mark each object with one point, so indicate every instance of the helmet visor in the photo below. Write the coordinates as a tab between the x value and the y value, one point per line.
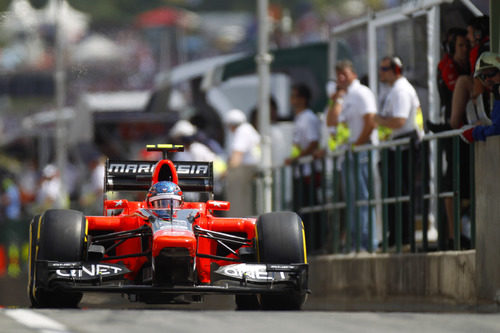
166	204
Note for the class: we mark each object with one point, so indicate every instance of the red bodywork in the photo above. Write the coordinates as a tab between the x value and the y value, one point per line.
129	219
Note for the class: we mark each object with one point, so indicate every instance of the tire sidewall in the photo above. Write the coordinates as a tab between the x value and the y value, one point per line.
281	240
61	235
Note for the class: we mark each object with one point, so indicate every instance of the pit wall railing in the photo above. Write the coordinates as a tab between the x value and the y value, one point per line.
322	199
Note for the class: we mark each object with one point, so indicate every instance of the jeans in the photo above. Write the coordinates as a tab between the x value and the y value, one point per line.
362	193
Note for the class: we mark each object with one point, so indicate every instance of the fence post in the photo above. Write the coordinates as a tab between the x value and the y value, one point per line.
336	212
398	192
324	213
456	193
313	224
349	203
357	209
439	214
411	192
472	197
425	204
385	193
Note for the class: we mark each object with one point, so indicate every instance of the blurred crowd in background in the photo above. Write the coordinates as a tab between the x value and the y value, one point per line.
110	54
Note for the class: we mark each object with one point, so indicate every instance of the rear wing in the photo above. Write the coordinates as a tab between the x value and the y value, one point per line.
137	175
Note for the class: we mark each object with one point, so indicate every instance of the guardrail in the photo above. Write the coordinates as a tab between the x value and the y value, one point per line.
323	200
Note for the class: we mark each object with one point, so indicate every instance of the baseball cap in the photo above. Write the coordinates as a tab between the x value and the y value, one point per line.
182	128
235	117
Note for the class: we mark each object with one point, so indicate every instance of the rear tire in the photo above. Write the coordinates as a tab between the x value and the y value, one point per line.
57	235
280	240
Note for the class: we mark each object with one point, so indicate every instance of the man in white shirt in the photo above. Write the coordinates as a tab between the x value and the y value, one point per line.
398	114
244	156
400	106
307	126
355	105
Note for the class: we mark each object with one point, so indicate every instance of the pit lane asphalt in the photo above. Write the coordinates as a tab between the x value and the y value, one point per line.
144	321
114	314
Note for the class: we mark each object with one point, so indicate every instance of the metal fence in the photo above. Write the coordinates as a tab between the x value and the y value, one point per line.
419	196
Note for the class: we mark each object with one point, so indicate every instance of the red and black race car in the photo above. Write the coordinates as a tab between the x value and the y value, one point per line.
167	251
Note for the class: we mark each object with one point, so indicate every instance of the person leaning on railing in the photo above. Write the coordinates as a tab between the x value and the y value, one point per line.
454	66
488	71
354	104
400	117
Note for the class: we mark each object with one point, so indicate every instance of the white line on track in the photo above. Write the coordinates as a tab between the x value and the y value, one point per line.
36	321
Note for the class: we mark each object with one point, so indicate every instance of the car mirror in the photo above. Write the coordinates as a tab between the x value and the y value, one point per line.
218	205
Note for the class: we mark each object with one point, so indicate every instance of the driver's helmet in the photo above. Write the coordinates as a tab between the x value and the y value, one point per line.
163	195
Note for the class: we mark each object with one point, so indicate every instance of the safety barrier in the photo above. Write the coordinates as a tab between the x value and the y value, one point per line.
418	201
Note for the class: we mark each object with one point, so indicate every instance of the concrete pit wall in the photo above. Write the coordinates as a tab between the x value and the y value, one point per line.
447	277
487	177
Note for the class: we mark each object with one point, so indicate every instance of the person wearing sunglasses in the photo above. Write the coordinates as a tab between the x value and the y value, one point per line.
487	70
399	115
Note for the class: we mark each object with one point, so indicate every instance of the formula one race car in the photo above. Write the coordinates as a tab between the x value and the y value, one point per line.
163	250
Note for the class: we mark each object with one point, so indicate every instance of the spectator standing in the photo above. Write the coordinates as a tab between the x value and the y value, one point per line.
244	148
51	194
454	64
470	100
307	126
355	105
305	142
399	113
244	156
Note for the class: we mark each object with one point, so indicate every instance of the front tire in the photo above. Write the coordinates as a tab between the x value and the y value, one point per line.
57	235
281	240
